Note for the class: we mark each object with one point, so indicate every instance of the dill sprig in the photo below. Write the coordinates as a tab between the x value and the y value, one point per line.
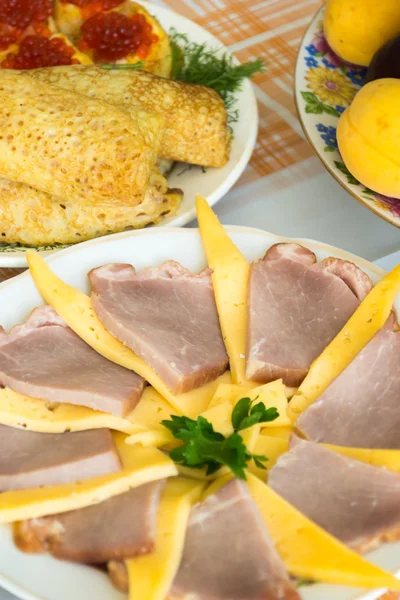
200	64
123	66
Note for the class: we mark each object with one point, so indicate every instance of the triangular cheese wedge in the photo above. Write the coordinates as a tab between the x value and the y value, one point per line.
230	276
17	410
272	448
271	394
367	320
229	392
308	551
151	576
140	466
193	403
278	432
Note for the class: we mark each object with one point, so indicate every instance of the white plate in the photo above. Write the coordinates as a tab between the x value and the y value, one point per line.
43	578
324	87
211	183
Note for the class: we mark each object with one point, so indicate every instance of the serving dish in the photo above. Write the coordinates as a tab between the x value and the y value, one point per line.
40	577
324	87
211	183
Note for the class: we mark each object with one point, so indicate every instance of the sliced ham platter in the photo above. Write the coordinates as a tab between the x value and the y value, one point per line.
230	433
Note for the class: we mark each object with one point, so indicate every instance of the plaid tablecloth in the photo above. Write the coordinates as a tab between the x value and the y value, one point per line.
271	29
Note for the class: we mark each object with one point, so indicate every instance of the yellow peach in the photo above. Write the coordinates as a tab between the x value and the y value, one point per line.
368	136
356	29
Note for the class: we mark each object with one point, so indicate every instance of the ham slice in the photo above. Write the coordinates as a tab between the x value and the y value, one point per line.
228	552
29	459
119	528
44	358
168	316
296	307
356	502
361	407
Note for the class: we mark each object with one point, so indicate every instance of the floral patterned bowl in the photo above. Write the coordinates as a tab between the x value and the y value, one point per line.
324	87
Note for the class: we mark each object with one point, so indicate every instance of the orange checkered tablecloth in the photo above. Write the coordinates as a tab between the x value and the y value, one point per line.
271	29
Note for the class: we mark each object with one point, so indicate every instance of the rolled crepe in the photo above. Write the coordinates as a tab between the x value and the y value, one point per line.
74	147
34	218
196	117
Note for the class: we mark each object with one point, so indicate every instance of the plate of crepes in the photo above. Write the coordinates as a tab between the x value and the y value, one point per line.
347	88
114	115
207	414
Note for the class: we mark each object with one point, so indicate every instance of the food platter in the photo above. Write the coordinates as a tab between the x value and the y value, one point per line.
324	87
213	183
40	577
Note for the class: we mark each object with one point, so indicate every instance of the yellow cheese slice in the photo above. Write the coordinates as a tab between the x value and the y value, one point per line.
308	551
229	392
389	459
278	432
140	465
151	576
76	309
367	320
250	437
230	276
193	403
220	417
151	410
272	448
232	392
17	410
271	394
153	438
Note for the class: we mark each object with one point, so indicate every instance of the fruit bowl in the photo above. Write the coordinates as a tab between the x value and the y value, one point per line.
325	86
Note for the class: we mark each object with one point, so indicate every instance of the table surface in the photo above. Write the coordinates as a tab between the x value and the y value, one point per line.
284	189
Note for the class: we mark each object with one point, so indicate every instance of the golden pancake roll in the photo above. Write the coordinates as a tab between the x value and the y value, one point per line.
74	147
34	218
196	117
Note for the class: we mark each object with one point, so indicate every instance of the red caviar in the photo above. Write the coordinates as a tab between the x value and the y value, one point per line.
92	7
105	4
113	36
21	13
8	35
37	51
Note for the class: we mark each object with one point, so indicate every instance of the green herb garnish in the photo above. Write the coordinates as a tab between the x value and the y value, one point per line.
205	448
123	66
303	582
246	415
198	63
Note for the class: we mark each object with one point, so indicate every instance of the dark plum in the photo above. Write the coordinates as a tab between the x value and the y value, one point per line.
386	62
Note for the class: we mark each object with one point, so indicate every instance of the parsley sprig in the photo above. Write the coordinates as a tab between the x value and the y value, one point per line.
203	447
201	64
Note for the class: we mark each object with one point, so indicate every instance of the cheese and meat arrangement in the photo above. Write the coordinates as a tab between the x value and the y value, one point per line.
221	435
